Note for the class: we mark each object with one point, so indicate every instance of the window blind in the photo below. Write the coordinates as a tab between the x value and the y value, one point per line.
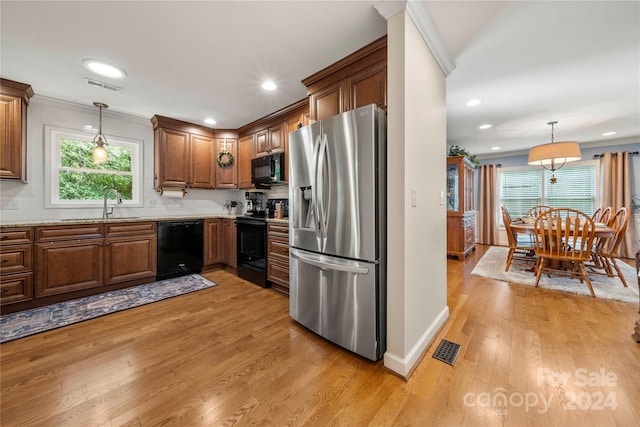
521	189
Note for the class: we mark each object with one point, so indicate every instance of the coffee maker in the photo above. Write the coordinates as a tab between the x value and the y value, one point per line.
255	204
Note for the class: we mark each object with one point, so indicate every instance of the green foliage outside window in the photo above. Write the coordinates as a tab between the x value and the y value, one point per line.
81	179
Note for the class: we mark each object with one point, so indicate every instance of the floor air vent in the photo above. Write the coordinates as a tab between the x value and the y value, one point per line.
447	352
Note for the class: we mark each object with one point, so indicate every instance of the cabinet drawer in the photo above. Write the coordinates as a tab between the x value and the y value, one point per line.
278	272
129	228
278	229
15	236
279	249
68	232
16	288
16	259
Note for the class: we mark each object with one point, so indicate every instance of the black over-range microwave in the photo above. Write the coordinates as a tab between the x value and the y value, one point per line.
268	170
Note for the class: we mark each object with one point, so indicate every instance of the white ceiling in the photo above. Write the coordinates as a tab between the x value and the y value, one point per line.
576	62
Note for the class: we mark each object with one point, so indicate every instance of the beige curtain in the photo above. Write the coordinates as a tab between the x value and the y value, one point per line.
488	233
615	173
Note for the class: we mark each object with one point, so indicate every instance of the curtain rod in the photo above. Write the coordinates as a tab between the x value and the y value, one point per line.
633	153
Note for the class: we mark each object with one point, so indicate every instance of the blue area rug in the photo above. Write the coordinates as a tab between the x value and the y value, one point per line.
29	322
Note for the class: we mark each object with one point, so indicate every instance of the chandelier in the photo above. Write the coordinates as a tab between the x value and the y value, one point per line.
554	155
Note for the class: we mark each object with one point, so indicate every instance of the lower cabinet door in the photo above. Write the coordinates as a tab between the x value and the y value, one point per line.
130	258
68	266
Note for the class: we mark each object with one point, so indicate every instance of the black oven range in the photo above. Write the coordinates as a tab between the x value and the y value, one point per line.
252	249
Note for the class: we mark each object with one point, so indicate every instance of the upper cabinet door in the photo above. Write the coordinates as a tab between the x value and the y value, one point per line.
172	158
328	101
227	176
14	99
203	154
262	143
369	86
276	142
245	154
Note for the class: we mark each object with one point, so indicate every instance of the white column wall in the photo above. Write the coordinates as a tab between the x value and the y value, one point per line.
416	283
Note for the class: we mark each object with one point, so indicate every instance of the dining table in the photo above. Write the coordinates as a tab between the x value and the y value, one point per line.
601	230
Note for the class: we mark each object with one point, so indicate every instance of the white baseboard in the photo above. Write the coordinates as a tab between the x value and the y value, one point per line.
403	366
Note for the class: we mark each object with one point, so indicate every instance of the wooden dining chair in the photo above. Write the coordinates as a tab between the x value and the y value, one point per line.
605	249
519	253
605	215
564	240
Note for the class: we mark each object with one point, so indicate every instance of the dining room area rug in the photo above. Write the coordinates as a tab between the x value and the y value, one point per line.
28	322
492	264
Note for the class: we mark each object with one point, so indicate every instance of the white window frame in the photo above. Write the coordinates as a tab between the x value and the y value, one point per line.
594	163
53	166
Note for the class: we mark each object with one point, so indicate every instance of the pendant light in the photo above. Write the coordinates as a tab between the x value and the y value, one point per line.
99	154
554	155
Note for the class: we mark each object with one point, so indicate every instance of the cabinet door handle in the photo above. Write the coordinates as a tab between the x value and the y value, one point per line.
3	291
5	260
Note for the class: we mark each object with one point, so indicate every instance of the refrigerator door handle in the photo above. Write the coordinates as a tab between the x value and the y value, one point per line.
322	265
314	187
321	163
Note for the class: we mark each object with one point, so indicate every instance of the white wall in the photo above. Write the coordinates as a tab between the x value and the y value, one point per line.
30	196
416	252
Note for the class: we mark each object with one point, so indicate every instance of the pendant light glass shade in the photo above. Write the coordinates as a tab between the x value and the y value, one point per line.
99	154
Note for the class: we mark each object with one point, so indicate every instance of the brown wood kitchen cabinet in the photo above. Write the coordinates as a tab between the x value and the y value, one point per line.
213	241
16	264
278	256
78	257
355	81
230	243
184	154
130	251
14	99
220	242
270	140
68	258
227	176
246	152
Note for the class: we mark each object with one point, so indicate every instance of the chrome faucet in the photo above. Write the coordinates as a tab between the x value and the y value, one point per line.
106	212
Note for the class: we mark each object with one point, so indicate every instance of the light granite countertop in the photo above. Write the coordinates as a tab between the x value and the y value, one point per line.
75	221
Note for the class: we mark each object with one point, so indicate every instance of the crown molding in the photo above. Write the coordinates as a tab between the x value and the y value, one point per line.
427	28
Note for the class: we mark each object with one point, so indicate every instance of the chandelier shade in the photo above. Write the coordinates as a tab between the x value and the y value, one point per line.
555	152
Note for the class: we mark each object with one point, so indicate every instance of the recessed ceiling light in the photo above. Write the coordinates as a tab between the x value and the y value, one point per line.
608	133
269	86
104	69
495	148
473	102
487	126
209	121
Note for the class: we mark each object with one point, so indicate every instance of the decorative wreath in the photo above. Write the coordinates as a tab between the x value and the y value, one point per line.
229	158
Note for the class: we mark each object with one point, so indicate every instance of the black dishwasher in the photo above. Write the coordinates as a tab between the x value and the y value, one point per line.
179	248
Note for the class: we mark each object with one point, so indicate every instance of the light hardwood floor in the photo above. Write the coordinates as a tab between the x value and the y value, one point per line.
230	355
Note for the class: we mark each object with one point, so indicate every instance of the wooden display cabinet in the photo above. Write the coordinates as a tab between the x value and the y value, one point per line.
460	207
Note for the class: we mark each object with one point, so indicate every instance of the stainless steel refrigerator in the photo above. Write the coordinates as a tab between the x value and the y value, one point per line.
337	229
